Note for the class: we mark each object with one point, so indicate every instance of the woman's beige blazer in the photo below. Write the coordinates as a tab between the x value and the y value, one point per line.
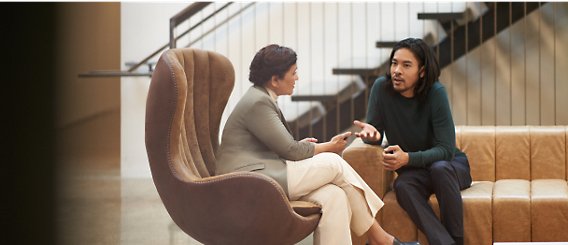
256	137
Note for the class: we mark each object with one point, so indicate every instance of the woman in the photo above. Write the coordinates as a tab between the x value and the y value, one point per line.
257	138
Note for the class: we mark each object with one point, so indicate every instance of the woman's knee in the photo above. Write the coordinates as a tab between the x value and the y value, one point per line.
332	161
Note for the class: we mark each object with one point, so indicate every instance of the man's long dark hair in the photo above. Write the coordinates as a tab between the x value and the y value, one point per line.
425	56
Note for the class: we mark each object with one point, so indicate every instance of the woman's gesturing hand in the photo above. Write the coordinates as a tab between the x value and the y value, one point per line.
336	144
339	142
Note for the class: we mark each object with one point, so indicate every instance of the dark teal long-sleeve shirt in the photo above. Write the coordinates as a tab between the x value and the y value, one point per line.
425	129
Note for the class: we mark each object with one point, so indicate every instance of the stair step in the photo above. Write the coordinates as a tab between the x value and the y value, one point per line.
441	16
329	91
385	44
358	66
505	17
428	38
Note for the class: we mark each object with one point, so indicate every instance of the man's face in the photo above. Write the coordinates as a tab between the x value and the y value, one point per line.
405	71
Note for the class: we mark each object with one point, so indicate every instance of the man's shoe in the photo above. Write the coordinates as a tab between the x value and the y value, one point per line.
397	242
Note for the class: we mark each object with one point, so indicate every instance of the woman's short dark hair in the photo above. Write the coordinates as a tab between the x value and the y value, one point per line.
269	61
425	56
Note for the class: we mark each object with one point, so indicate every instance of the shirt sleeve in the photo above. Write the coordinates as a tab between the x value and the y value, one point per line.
444	141
263	122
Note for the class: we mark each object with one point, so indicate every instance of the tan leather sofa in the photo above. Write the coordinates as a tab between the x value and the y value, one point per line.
519	190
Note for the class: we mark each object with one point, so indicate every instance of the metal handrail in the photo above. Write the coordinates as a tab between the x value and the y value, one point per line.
219	24
176	20
173	25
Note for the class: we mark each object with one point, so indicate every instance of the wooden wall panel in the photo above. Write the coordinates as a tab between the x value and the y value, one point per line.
473	87
488	83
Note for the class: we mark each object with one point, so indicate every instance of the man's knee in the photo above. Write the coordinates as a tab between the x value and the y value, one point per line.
440	170
402	188
444	177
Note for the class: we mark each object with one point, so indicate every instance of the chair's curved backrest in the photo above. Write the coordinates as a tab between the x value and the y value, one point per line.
186	99
194	103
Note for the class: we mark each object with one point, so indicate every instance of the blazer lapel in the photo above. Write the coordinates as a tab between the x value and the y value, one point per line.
282	119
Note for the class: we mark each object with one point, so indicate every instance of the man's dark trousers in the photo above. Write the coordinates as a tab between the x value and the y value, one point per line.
413	188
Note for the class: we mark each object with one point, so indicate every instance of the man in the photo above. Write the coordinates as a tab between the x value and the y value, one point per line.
411	106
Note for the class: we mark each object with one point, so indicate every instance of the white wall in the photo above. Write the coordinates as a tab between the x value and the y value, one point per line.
144	28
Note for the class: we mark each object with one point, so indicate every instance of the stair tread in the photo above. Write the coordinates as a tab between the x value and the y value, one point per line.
357	66
441	16
385	44
330	90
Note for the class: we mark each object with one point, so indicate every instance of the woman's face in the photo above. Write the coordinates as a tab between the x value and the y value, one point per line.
405	71
285	85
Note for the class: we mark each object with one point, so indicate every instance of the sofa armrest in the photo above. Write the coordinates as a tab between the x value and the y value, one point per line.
367	160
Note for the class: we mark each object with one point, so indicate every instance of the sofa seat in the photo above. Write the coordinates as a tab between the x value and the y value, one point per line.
549	210
512	210
519	191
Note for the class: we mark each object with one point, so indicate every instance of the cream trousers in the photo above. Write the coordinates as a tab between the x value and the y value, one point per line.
348	203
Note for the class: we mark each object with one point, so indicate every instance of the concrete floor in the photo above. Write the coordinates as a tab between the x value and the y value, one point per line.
96	205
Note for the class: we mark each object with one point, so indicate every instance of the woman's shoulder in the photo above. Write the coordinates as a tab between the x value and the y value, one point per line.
255	93
254	97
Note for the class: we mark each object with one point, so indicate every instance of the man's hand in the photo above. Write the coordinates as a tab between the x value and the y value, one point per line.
394	158
368	132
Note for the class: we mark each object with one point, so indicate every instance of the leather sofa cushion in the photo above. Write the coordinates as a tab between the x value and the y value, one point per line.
549	210
479	145
512	153
548	156
512	210
477	212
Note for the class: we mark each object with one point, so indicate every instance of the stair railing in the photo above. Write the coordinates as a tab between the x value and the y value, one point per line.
175	21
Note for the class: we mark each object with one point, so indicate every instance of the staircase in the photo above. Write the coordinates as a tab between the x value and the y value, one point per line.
459	39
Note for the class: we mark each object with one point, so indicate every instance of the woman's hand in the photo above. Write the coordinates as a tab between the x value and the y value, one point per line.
313	140
339	142
336	144
394	158
368	132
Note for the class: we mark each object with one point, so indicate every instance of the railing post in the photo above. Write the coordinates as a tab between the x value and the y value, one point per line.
172	36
